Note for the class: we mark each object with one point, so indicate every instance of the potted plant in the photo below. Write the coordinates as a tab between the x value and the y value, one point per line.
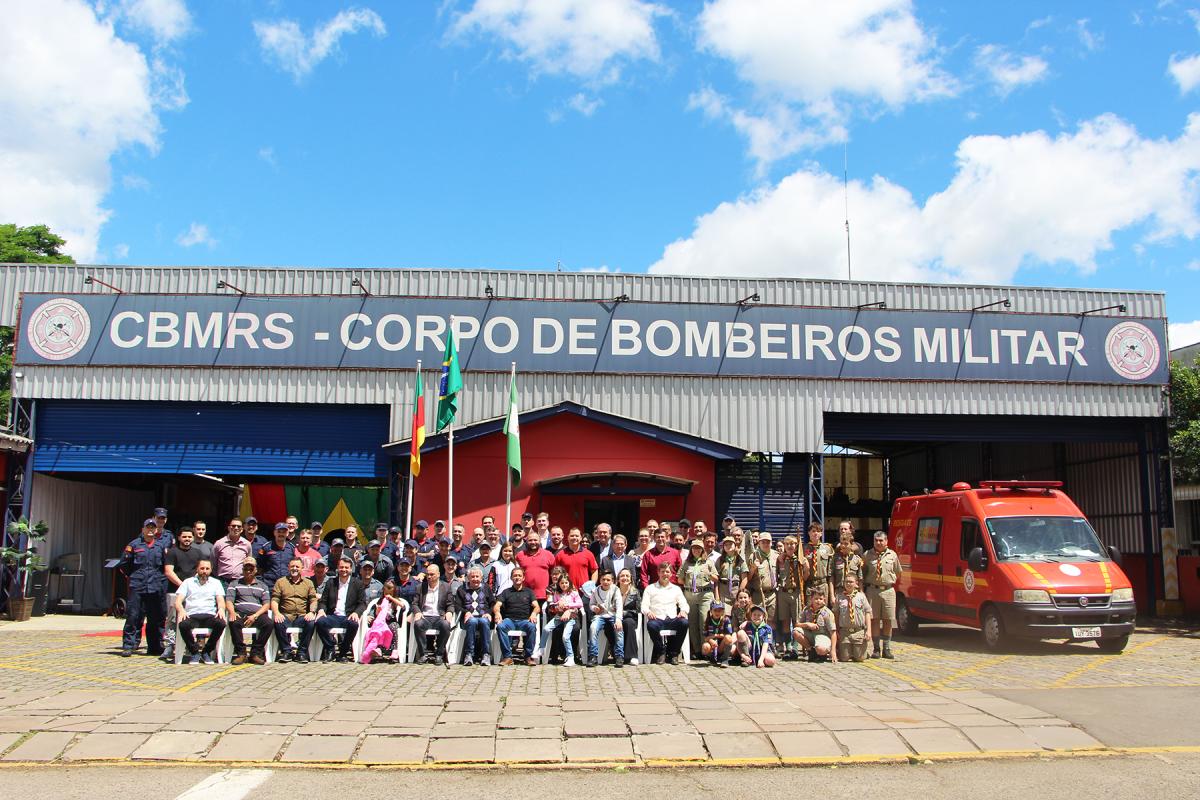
22	560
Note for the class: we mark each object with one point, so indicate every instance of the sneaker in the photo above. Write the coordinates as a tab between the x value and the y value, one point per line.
486	661
194	658
570	662
591	662
126	653
619	663
723	663
206	659
537	654
633	662
302	657
469	661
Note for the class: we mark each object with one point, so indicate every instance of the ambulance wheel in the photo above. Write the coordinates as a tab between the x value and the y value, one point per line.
905	621
1114	645
992	628
118	609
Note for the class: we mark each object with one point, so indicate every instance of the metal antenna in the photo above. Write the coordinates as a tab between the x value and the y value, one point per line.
846	193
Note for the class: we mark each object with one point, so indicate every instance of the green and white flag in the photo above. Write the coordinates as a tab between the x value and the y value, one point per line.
512	429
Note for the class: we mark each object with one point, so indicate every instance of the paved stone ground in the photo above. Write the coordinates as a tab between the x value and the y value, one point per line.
66	696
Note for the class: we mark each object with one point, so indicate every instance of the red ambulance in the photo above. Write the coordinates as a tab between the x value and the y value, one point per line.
1012	558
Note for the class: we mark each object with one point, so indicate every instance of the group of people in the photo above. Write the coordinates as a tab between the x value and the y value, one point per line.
730	597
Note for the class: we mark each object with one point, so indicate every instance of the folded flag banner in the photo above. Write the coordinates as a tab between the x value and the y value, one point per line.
451	384
512	430
418	427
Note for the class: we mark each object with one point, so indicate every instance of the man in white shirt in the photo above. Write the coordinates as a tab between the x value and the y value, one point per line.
199	603
665	609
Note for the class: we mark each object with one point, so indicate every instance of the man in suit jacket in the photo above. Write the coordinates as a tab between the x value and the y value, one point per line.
619	558
434	610
341	605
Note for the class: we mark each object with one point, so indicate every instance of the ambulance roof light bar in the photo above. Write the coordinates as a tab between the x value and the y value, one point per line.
1046	485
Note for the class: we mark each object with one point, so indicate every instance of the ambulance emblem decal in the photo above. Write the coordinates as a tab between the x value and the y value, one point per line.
58	329
1133	351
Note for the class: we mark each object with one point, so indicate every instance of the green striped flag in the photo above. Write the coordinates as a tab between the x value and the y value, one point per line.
450	385
512	429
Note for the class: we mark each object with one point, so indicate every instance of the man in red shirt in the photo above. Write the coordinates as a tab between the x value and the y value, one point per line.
576	559
537	563
659	554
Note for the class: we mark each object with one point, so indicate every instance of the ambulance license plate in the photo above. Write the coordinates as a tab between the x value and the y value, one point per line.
1085	633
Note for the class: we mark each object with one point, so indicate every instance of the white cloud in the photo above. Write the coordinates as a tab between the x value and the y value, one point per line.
1186	72
293	51
135	182
776	133
1007	70
1183	334
165	20
267	154
1014	200
583	104
120	251
194	235
1090	41
587	39
72	94
828	60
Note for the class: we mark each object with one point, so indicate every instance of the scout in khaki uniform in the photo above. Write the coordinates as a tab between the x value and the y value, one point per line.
882	569
698	580
846	561
789	594
732	572
764	578
853	622
819	556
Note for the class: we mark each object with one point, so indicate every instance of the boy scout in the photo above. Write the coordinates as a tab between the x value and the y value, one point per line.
732	572
764	577
816	631
882	569
789	595
853	622
846	561
819	556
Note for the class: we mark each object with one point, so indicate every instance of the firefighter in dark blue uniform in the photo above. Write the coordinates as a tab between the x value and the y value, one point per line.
166	537
142	563
273	557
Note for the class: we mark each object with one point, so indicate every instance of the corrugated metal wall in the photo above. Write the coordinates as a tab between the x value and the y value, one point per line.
764	415
93	520
1104	481
17	278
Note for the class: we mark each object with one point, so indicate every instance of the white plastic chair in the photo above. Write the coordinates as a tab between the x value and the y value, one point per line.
580	634
602	643
431	642
497	654
221	651
400	651
646	644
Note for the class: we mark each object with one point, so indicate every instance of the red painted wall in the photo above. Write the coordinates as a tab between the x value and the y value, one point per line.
1189	584
565	444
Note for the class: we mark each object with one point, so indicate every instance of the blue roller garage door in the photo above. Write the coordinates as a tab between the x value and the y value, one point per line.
211	438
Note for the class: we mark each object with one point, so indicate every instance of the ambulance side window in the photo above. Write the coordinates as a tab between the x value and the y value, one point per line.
971	538
929	535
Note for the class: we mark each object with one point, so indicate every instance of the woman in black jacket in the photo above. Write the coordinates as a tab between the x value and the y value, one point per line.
631	620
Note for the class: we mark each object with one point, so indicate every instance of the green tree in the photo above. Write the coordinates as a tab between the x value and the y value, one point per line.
1184	424
36	244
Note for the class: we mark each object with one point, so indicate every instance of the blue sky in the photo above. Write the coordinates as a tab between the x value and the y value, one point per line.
1027	143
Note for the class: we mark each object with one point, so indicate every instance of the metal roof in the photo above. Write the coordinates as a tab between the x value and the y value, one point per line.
17	278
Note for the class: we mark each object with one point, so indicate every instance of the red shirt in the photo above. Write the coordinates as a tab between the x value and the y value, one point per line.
537	570
652	559
309	557
579	565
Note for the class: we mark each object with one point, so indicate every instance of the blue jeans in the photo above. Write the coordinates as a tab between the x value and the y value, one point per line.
616	635
568	629
523	625
334	621
477	637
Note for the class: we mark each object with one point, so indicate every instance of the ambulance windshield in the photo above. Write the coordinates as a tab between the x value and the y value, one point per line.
1045	539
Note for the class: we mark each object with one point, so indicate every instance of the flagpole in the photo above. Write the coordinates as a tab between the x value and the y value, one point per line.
408	504
508	476
450	460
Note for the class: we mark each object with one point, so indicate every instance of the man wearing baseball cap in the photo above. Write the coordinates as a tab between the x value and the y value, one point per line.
160	525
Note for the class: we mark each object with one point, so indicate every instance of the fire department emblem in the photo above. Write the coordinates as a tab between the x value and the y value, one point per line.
1132	350
58	329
